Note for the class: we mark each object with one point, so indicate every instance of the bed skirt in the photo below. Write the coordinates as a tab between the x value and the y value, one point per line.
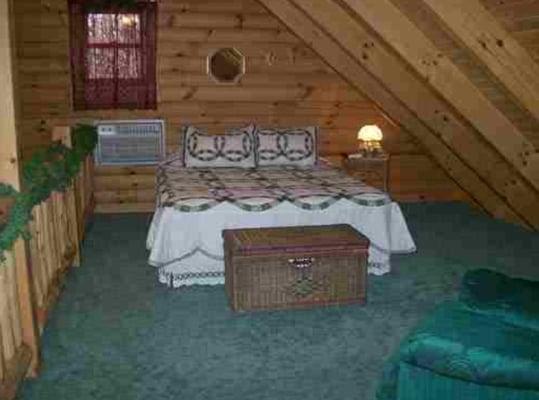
187	248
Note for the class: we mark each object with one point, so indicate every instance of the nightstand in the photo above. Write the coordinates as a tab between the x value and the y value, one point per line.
373	171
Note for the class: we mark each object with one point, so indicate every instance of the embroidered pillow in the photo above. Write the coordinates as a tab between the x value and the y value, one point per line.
290	146
233	149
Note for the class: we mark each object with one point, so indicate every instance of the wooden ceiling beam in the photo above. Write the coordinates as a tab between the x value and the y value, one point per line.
368	50
481	33
357	76
450	82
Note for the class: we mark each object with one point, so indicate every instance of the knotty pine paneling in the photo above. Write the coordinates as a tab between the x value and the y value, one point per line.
286	84
508	13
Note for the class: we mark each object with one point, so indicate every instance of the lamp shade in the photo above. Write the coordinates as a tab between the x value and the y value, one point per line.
370	133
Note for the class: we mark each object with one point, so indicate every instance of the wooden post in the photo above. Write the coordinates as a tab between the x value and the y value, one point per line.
6	332
9	173
37	263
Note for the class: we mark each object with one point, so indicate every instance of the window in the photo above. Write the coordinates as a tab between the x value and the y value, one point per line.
113	56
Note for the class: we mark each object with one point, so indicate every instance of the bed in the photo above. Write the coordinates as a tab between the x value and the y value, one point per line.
194	205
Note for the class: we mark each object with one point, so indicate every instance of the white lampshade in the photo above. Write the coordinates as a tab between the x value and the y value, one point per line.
370	133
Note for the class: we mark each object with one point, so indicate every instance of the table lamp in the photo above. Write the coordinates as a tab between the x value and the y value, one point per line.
369	137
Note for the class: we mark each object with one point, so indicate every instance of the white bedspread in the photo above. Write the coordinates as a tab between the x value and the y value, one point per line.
187	246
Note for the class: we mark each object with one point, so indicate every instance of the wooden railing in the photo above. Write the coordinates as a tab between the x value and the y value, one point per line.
56	232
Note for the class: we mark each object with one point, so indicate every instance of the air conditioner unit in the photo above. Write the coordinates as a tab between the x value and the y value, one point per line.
130	142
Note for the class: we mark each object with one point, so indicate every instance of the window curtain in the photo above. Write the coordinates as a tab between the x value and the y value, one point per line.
113	55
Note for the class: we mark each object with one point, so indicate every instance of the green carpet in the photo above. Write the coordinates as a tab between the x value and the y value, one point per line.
118	334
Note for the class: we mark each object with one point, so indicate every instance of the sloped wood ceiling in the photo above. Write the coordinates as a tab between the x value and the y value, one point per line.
418	62
477	29
520	19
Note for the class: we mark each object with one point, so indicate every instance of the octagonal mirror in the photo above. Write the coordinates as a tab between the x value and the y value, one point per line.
226	65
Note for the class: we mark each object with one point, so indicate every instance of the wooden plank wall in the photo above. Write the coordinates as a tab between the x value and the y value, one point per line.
285	85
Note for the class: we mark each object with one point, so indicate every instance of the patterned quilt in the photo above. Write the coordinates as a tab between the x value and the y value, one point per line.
259	189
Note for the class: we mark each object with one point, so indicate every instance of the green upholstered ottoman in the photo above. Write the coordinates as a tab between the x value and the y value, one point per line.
485	346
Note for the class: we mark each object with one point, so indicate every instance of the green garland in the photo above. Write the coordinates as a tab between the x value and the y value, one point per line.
49	170
19	215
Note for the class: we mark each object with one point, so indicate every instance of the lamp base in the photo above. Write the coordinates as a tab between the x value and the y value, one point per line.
370	148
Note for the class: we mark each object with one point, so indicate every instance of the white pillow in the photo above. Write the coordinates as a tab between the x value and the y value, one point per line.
233	149
288	146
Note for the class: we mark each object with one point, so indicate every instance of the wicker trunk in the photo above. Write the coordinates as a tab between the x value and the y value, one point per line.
289	267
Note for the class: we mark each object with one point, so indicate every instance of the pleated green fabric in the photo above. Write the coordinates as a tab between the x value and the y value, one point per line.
460	343
417	383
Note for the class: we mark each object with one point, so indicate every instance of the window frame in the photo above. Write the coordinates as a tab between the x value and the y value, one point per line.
83	83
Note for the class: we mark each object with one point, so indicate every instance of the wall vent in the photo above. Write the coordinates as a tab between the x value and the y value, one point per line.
130	142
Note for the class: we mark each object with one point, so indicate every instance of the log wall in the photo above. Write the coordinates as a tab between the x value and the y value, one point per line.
285	85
